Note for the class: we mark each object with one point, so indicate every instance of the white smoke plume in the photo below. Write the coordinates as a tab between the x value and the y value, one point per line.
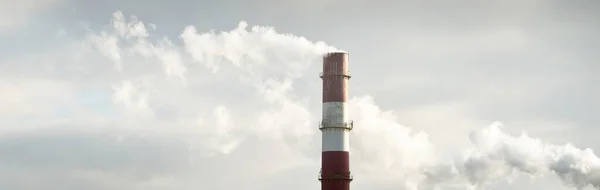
181	89
495	155
242	53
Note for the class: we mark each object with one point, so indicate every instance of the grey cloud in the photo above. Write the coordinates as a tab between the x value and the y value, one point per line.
100	160
56	149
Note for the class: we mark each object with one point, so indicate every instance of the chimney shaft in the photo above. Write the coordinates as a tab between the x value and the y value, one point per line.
335	126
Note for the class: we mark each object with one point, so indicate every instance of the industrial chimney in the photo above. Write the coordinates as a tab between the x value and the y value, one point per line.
335	126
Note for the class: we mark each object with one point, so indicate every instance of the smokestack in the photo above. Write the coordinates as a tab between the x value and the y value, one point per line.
335	126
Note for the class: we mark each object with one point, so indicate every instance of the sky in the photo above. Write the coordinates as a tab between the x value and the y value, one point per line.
219	95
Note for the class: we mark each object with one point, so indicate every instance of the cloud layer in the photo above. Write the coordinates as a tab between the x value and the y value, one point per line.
121	108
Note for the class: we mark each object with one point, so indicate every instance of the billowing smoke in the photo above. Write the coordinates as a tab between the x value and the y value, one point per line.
497	155
217	92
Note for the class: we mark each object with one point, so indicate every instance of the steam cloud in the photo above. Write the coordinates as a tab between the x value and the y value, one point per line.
150	77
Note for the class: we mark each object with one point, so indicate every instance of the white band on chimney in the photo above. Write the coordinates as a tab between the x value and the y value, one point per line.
335	139
335	112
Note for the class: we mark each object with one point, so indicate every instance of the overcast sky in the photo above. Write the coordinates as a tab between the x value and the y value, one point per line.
132	94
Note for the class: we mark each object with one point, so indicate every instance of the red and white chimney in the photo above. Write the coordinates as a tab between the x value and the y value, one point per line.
335	126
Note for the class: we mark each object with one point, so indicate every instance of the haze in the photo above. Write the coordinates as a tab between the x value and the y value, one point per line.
111	95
